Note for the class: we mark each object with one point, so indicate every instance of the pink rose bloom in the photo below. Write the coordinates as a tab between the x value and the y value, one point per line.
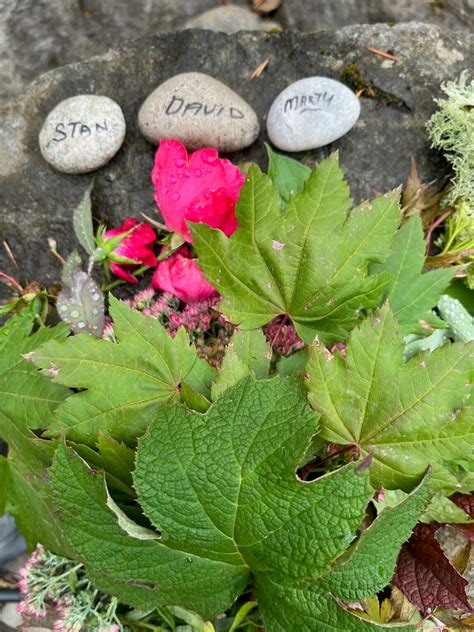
199	188
133	251
180	275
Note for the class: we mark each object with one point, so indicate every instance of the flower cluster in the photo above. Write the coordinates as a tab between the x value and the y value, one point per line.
282	336
56	586
208	329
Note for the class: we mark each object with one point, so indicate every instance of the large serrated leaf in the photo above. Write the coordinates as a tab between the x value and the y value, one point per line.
126	382
82	222
308	261
221	490
405	415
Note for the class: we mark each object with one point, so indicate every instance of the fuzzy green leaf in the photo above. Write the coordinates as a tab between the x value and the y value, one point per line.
221	490
405	414
126	382
308	261
411	293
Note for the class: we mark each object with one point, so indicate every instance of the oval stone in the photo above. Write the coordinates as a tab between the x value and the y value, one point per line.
310	113
82	133
200	112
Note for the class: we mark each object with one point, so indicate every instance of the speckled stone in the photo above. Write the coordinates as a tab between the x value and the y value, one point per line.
82	133
199	111
311	113
231	19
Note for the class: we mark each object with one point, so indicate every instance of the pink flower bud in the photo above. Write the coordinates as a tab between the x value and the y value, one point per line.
134	250
180	275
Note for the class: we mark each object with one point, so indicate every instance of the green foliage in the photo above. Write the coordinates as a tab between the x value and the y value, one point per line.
404	415
247	354
411	293
287	175
82	222
460	322
308	261
27	401
126	382
221	490
175	483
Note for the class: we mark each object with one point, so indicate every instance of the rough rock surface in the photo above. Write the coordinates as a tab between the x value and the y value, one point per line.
38	35
36	202
314	15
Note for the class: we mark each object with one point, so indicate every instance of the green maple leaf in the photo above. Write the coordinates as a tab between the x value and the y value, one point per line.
405	415
411	293
308	261
27	401
221	489
126	382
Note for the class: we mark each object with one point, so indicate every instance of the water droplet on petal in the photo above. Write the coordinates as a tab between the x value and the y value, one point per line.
81	324
75	313
197	173
175	196
180	163
210	159
63	308
95	311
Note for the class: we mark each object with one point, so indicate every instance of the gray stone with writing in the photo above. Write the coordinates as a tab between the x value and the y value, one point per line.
311	113
82	133
199	111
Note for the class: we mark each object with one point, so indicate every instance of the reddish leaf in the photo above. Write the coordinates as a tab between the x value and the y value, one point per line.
425	575
465	502
467	530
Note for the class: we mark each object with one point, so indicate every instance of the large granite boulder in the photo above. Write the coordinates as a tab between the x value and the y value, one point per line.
397	99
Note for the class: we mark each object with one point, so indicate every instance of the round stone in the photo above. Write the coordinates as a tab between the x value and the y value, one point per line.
82	133
199	111
310	113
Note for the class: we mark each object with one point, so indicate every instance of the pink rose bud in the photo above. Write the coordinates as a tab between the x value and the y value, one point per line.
180	275
132	251
201	188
